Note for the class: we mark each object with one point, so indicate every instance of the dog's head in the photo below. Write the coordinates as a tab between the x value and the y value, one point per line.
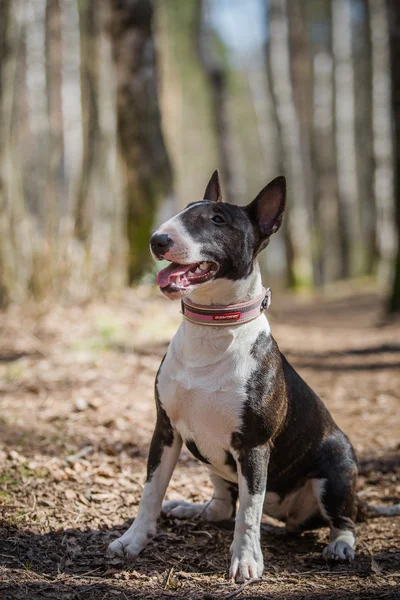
211	239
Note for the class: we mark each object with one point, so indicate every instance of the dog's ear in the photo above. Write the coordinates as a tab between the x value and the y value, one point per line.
213	191
266	211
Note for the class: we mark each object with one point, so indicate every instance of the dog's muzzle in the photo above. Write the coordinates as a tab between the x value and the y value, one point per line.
160	243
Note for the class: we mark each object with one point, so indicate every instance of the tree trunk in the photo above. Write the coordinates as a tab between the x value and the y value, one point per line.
350	235
382	133
301	74
217	78
394	41
281	167
5	16
323	147
53	53
365	159
297	230
91	137
147	170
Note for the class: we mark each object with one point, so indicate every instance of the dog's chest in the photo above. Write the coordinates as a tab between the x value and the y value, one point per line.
203	382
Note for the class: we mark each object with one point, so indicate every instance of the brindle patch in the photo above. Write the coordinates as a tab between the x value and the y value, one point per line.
163	433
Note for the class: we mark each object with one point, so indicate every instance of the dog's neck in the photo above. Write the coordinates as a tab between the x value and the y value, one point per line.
225	292
191	337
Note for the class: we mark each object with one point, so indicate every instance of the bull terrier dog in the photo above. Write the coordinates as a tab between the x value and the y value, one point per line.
227	392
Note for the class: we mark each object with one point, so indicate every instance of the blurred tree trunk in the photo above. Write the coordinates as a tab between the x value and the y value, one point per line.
89	15
382	133
148	174
301	74
217	79
394	40
350	230
365	159
280	154
297	229
5	17
53	54
326	236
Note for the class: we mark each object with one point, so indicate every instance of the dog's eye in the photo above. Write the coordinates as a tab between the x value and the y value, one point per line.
217	219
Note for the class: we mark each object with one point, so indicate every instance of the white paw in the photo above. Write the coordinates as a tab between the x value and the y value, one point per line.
182	509
338	550
209	511
247	559
133	541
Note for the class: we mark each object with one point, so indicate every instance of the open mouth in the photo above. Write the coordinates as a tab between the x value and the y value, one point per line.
181	278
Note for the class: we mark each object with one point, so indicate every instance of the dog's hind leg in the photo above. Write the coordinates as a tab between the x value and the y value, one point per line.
336	494
221	507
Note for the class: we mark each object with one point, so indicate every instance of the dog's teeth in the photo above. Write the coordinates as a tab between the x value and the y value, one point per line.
198	270
178	279
203	265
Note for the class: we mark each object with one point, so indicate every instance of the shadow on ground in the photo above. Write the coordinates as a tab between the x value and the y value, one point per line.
73	564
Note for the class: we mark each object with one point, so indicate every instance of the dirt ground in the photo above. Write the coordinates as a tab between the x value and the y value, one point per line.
76	398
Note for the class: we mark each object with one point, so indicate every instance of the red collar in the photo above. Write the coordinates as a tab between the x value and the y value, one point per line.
233	314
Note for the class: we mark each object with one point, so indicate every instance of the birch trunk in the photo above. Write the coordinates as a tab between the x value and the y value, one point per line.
323	145
365	160
350	234
301	74
297	228
382	134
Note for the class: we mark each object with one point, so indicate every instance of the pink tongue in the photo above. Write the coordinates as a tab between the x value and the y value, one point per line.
165	275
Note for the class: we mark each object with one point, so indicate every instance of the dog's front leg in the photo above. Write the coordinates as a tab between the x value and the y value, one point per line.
247	559
164	452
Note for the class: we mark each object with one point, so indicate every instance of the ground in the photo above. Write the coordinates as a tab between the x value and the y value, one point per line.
77	412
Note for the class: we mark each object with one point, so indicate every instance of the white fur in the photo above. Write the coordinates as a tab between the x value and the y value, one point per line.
224	292
341	546
185	249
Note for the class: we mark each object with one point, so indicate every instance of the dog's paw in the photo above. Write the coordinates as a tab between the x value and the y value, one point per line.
247	559
132	542
209	511
338	551
182	509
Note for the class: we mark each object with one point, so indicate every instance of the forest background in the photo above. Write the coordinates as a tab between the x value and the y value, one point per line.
114	115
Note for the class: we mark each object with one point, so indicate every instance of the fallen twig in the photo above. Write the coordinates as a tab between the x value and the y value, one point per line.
243	586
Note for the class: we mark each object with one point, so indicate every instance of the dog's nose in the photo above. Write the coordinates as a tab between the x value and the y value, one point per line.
160	244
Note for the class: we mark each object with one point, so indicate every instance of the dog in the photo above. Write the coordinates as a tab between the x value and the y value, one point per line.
226	391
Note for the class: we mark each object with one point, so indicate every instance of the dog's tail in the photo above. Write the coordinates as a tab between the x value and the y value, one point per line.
371	511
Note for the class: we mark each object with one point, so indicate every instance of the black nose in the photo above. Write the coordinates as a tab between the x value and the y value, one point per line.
160	244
